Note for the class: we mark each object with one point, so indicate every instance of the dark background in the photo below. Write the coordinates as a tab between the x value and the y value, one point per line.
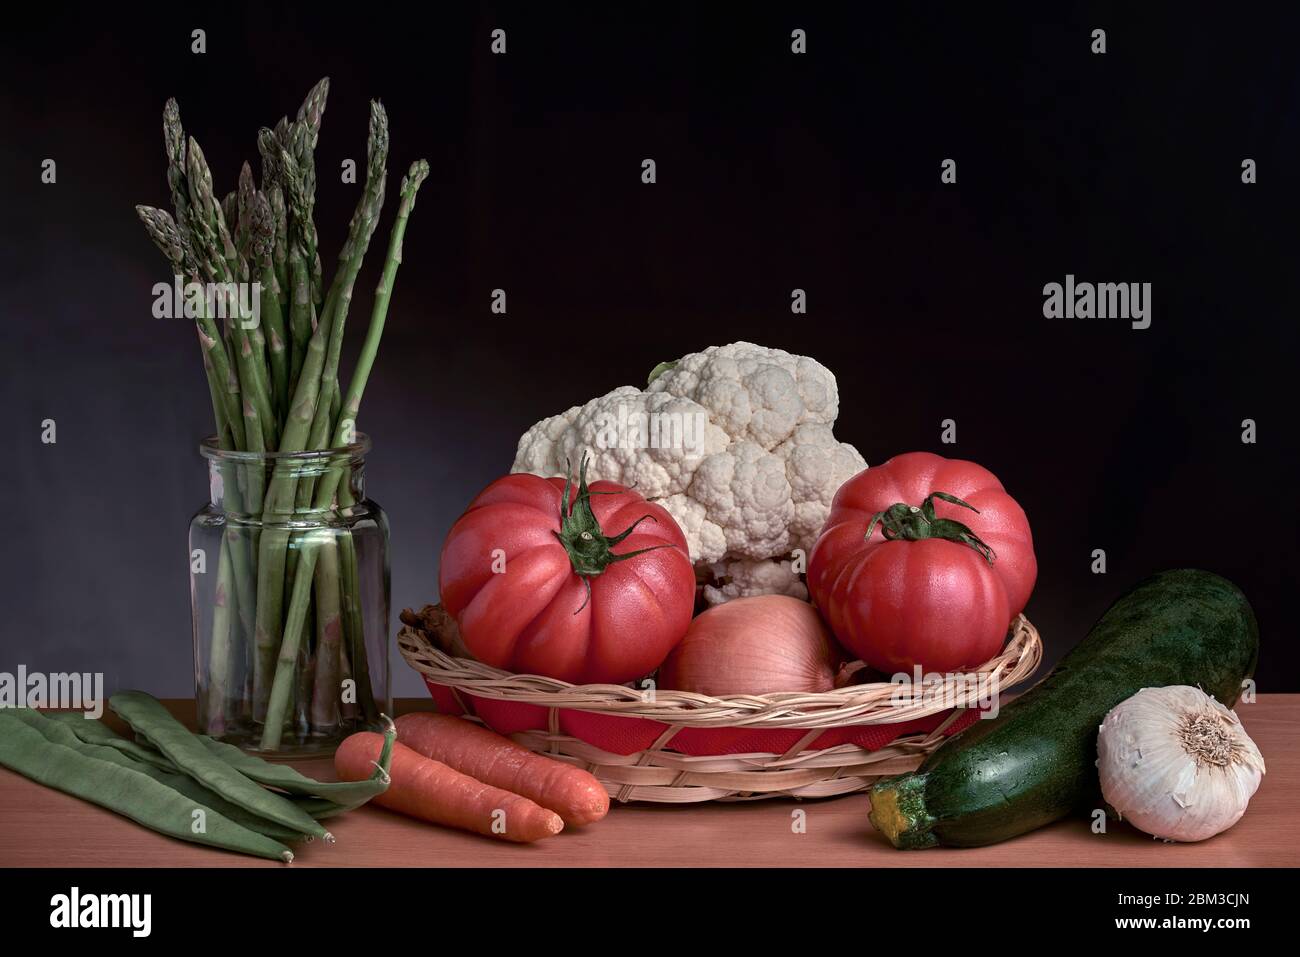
775	171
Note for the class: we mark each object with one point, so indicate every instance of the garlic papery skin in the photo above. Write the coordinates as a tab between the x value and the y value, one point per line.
1176	763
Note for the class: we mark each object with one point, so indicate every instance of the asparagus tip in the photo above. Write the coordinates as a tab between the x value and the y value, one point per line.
418	173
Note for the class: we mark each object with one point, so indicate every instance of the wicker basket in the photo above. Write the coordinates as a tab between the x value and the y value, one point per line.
430	644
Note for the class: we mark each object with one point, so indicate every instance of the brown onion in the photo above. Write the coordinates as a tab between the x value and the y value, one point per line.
759	645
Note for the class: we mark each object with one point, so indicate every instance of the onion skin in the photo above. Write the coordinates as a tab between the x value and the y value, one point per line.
764	644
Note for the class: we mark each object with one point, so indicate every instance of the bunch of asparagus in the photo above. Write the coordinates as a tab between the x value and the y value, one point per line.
274	386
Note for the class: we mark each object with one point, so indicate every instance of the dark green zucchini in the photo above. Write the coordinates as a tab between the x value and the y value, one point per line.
1036	761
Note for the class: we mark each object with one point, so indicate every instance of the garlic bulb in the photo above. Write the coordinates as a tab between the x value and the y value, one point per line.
1176	763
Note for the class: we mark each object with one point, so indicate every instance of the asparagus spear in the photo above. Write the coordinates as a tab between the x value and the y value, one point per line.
216	251
361	228
329	336
278	508
324	694
345	429
354	643
199	228
307	361
326	488
208	231
167	237
268	145
301	142
230	213
245	207
217	361
244	242
330	604
221	654
262	243
279	389
174	146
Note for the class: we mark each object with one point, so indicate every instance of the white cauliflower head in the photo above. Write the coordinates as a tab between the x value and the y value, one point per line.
746	577
735	442
650	441
816	466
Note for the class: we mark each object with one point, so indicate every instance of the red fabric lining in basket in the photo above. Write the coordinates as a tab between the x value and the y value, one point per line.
620	735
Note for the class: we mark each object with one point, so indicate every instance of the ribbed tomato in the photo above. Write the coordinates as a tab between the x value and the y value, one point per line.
923	561
539	587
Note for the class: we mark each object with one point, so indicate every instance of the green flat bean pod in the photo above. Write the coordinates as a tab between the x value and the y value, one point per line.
60	732
322	808
128	792
96	732
151	721
344	794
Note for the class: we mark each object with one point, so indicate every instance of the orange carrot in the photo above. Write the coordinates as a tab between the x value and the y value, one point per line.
570	792
431	791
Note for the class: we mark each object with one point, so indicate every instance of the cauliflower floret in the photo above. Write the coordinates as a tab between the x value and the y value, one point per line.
735	442
746	577
816	465
703	537
754	392
744	491
652	442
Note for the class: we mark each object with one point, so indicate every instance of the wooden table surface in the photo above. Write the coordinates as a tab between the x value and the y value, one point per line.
40	827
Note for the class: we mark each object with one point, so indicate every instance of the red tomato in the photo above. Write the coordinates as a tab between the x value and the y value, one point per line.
934	584
538	590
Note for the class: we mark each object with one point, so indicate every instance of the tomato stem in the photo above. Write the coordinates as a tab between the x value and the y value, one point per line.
914	522
590	550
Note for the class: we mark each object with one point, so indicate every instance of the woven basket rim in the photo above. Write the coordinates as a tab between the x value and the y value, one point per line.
862	704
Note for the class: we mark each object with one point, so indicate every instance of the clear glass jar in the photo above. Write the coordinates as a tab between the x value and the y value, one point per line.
289	586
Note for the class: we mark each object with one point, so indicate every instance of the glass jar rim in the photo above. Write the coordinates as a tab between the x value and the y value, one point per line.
210	448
